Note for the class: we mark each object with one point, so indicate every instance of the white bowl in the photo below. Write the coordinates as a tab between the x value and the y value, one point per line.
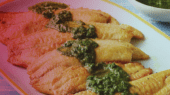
158	14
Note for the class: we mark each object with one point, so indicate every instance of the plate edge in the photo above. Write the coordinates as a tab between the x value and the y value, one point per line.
138	17
12	83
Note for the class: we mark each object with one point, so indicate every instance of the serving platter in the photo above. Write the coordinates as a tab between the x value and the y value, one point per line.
156	44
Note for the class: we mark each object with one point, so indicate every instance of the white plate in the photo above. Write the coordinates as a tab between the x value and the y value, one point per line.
156	43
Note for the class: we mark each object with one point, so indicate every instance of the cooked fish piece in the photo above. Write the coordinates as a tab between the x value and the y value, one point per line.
34	23
108	50
41	80
108	31
90	15
166	89
117	32
104	31
135	70
49	61
72	80
42	38
44	83
27	56
111	50
136	33
154	84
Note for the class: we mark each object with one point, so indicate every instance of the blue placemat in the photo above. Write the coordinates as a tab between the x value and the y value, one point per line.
163	26
6	88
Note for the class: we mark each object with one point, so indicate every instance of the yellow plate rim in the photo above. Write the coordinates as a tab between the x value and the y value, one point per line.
138	17
110	2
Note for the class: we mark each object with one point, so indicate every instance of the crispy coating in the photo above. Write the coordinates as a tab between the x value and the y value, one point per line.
111	50
136	33
112	32
44	83
54	63
24	51
152	84
116	32
73	80
108	50
90	15
37	44
13	27
49	61
135	70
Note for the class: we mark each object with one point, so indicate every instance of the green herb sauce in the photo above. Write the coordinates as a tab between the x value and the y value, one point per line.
47	8
157	3
63	21
108	80
82	49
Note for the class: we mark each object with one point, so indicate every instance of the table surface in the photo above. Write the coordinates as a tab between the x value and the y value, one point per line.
7	89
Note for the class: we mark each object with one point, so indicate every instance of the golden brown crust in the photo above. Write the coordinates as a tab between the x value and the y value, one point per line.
111	50
112	32
151	84
136	33
88	15
21	26
135	70
49	61
73	80
44	83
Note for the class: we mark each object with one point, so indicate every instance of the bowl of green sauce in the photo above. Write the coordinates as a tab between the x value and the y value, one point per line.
158	10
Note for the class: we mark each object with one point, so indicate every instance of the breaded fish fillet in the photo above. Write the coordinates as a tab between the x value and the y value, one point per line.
103	31
117	32
14	26
135	70
154	84
112	50
73	80
51	64
90	15
44	83
108	50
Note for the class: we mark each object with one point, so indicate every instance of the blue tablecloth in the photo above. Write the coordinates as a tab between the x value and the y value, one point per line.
6	89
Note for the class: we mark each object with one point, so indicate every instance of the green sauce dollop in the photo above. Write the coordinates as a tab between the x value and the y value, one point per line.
61	23
157	3
108	80
47	8
82	49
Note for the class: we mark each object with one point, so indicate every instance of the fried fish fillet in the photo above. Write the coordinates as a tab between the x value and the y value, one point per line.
117	32
19	48
36	44
90	15
20	24
154	84
112	50
108	50
63	70
72	80
135	70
